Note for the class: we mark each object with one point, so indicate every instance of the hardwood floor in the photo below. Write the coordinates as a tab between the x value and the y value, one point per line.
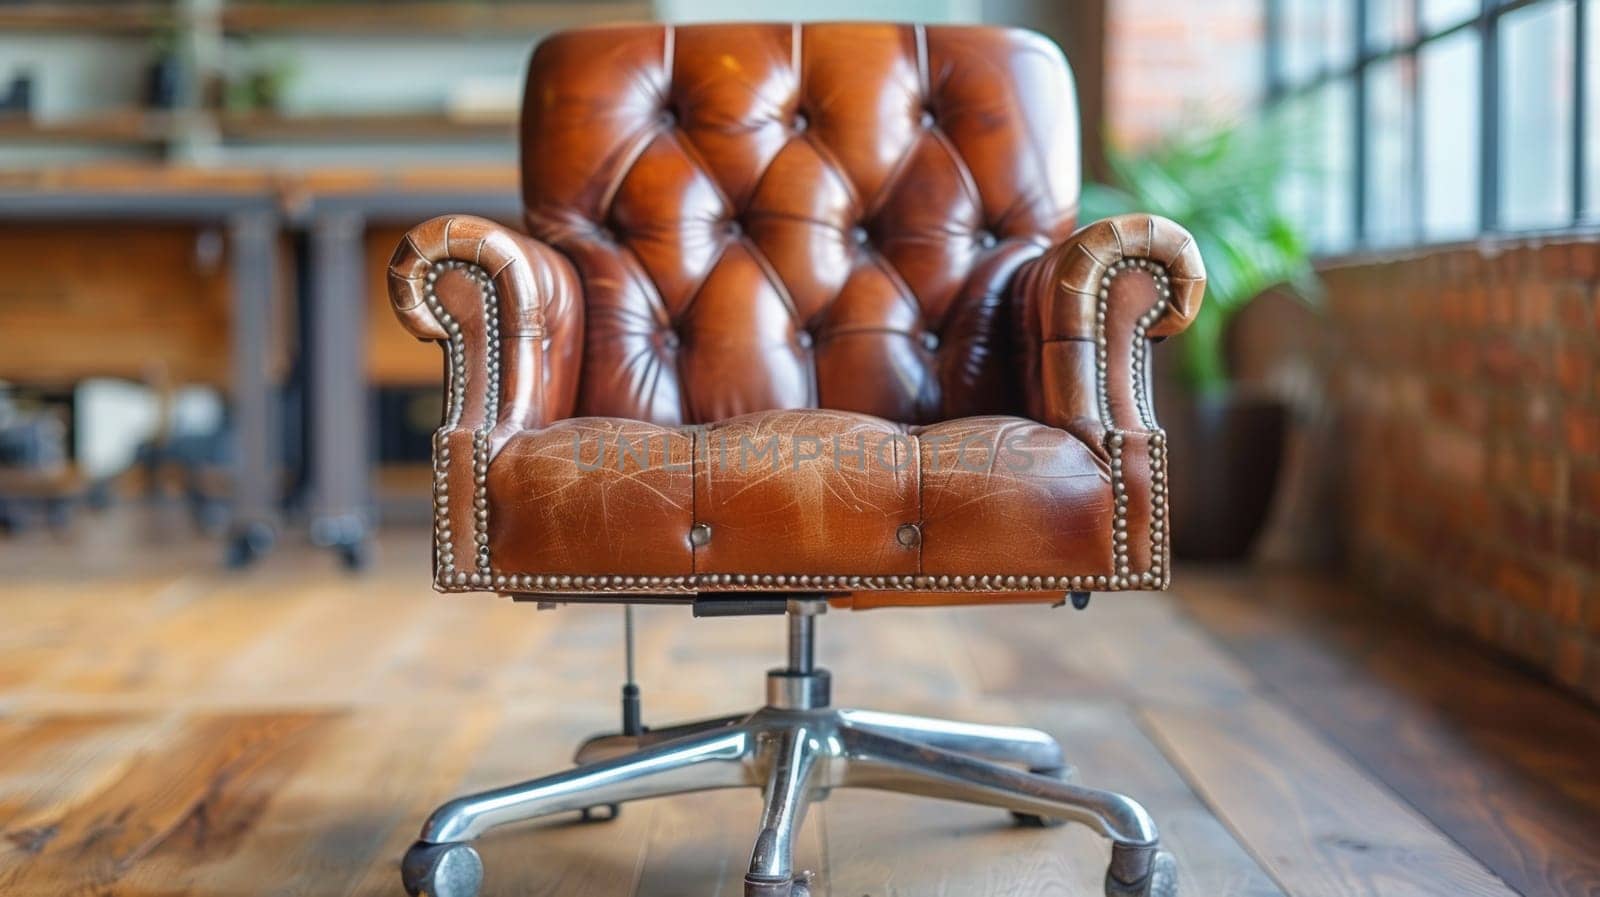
1508	767
167	728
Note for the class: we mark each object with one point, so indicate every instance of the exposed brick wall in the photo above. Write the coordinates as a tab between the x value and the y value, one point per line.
1174	64
1467	389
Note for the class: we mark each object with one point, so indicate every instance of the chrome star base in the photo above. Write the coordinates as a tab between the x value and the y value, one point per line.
798	749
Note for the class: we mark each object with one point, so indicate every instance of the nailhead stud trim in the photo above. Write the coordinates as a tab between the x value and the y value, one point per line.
1141	327
1160	575
785	582
1119	513
1141	345
483	576
448	575
1121	566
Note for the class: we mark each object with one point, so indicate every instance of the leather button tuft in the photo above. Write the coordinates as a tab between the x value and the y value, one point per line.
930	341
801	122
804	339
858	235
986	239
908	535
926	119
734	228
671	340
668	118
700	533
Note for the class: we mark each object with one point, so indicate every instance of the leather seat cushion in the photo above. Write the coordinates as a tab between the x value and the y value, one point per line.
800	493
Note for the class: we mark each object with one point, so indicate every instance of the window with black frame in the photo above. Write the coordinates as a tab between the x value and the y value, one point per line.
1433	121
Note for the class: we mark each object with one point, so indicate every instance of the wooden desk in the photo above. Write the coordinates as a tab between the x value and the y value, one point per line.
353	224
71	343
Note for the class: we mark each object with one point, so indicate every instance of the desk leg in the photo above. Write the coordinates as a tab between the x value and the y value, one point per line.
257	480
340	417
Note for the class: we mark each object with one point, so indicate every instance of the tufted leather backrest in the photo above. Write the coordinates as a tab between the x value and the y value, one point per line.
776	216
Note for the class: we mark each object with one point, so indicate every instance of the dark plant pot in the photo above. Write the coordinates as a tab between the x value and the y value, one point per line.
1227	450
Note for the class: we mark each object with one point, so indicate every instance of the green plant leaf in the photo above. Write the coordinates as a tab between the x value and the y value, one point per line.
1224	185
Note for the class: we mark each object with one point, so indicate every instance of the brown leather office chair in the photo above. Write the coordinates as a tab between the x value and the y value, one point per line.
801	322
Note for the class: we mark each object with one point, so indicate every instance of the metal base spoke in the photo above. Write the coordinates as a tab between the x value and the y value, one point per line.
693	763
797	750
605	747
1000	744
889	764
795	755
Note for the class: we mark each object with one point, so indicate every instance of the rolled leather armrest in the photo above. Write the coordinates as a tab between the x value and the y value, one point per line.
508	311
1089	308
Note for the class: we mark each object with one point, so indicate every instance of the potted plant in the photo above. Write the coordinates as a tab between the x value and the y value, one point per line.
1224	186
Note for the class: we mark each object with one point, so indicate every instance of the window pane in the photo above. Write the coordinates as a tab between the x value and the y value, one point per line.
1438	15
1336	230
1389	22
1299	48
1317	190
1591	140
1450	133
1388	188
1316	36
1536	106
1298	190
1339	31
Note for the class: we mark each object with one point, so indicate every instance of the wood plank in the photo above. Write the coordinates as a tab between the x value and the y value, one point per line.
1312	819
178	644
43	620
1130	646
884	657
326	649
50	760
336	821
119	126
128	16
892	844
176	789
699	844
397	128
1501	761
408	16
1110	751
412	698
424	659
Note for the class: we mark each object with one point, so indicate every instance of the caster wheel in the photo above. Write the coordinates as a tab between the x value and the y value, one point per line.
441	870
99	496
57	515
354	556
600	813
249	544
1034	820
1161	881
